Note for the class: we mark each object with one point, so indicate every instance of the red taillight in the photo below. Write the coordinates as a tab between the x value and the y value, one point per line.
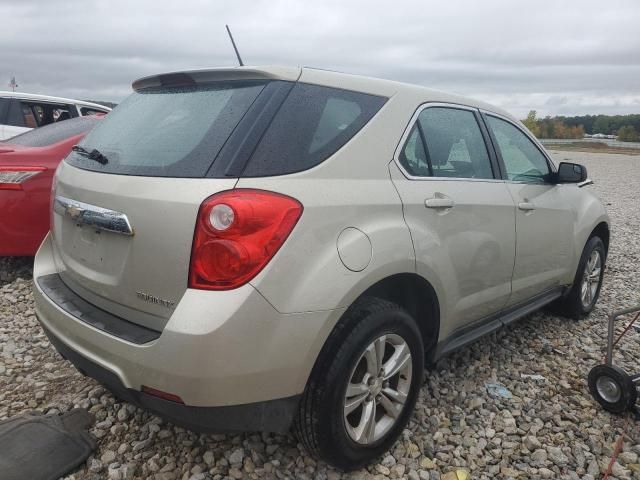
237	233
11	178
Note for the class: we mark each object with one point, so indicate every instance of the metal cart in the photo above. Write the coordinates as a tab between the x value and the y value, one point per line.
611	386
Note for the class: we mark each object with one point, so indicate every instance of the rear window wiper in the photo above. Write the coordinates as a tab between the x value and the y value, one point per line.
94	154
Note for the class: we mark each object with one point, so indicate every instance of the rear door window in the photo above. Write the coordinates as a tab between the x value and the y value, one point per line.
454	143
168	131
413	156
311	125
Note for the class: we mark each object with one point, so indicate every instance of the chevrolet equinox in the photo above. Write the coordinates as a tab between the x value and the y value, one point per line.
265	248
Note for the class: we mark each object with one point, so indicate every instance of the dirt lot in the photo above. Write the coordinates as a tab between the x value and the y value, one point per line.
549	428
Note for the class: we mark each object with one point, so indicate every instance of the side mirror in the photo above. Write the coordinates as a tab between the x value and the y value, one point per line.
571	173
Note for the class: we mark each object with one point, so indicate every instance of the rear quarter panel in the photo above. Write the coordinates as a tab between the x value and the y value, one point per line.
350	189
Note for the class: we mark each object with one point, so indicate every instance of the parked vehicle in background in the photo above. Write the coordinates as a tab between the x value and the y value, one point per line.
20	112
256	248
27	164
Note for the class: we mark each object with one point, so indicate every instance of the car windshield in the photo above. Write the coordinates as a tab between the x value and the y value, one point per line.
54	133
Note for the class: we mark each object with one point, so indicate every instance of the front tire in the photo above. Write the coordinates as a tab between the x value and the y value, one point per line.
586	287
364	386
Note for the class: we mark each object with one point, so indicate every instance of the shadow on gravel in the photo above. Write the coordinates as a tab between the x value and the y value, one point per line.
15	267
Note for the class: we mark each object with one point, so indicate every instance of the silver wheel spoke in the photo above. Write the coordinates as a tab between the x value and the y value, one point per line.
380	344
371	423
367	424
392	401
355	389
397	362
371	356
395	395
354	402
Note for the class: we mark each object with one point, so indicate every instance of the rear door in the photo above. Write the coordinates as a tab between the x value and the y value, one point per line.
123	223
460	213
545	218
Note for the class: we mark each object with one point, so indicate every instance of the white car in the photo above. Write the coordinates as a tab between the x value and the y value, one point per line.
20	112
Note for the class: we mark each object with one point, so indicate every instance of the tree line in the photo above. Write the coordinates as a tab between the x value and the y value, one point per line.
626	127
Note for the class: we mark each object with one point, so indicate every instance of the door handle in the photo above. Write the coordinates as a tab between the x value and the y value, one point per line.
526	206
439	202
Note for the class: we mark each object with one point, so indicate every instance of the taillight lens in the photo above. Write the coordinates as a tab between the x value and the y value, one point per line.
12	178
237	233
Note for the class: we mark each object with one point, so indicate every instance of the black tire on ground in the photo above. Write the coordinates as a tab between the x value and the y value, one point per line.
571	305
622	399
320	424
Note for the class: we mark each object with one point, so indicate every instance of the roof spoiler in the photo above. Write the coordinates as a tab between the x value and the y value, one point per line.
196	77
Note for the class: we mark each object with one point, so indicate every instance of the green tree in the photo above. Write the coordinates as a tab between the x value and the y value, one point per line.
531	122
602	124
627	134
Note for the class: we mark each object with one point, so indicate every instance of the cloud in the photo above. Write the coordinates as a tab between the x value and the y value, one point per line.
556	57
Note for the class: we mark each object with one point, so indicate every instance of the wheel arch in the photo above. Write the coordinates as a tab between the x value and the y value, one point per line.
601	230
411	292
416	295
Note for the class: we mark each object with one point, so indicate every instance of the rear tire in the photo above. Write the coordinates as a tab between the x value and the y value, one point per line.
349	428
612	388
587	283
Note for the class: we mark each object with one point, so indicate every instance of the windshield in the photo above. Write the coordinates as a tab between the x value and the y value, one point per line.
168	131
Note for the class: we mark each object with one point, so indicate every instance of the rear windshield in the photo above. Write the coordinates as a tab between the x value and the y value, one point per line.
168	131
312	124
54	132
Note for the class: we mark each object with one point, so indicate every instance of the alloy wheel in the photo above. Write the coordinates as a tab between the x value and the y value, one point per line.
591	279
378	389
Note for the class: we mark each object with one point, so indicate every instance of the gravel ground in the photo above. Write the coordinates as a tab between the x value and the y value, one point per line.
549	428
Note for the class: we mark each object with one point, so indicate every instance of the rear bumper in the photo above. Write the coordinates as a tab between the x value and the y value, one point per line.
271	416
229	350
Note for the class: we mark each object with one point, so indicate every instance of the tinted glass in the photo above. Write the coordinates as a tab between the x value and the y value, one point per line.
454	143
311	125
54	133
522	159
413	157
4	109
15	117
168	131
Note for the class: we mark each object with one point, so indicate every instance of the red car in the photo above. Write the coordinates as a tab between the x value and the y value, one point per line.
27	165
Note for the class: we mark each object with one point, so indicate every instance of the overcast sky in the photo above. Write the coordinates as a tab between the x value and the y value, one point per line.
556	57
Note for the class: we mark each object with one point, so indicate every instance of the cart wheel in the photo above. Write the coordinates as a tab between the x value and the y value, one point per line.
612	388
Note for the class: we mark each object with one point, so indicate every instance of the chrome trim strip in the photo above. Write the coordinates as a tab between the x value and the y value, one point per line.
91	215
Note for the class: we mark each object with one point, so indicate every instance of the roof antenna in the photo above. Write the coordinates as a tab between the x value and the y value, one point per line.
234	46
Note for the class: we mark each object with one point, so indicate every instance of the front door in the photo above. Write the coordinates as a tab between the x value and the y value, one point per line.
544	221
